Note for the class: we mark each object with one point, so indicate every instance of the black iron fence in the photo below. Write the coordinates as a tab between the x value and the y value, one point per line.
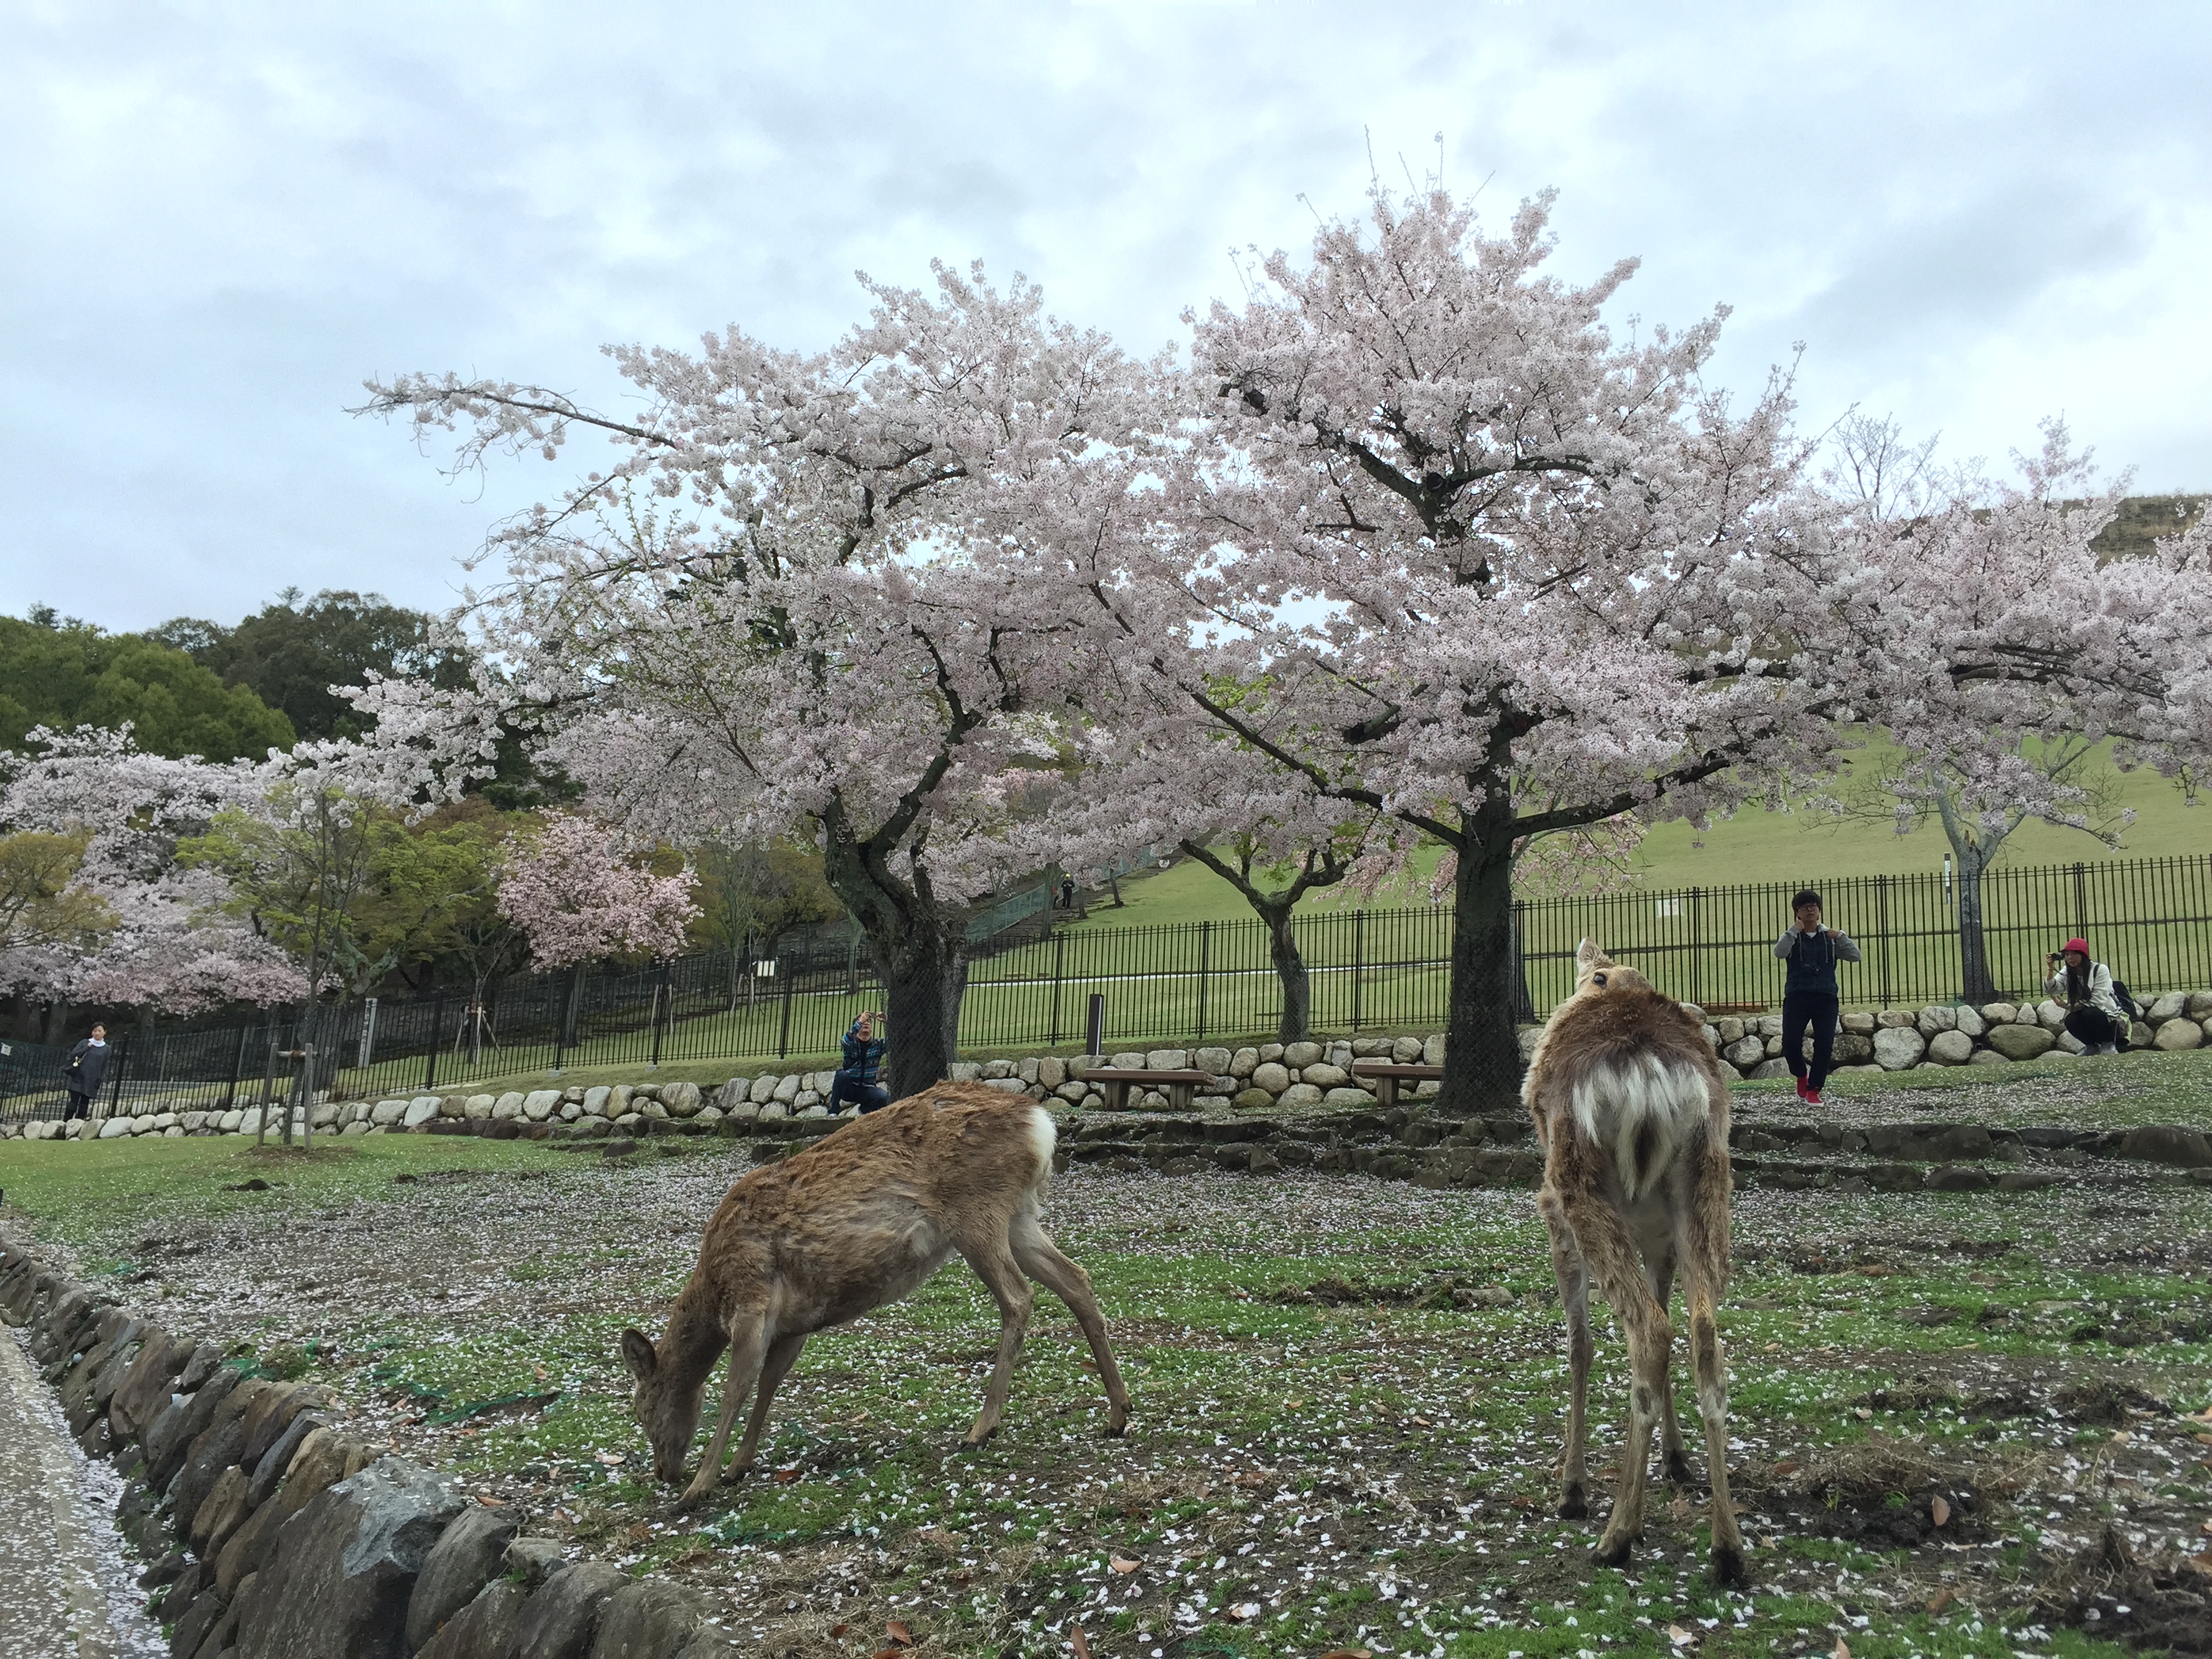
1372	970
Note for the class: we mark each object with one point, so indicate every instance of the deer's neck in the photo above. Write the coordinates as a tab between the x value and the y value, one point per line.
697	1336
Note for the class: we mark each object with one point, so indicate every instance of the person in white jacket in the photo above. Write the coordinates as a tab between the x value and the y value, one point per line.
2085	987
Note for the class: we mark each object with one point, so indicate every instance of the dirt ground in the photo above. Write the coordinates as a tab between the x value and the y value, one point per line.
1963	1423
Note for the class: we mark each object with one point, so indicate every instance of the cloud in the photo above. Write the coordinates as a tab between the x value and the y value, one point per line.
222	221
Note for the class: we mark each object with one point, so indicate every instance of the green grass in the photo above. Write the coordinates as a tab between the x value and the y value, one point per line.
1376	1473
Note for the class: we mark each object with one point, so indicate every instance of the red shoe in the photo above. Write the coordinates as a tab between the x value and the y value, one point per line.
1811	1097
1801	1088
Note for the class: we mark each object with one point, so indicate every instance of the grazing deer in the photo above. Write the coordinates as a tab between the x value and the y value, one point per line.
1633	1115
857	1221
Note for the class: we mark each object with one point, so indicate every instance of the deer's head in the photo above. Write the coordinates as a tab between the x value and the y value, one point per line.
666	1407
1597	973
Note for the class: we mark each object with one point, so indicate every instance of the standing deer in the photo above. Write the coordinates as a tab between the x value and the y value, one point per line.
1633	1112
857	1221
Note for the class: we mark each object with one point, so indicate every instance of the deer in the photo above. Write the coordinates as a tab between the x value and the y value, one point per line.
1632	1111
860	1219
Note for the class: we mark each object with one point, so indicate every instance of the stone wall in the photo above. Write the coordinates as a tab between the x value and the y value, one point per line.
1253	1077
273	1532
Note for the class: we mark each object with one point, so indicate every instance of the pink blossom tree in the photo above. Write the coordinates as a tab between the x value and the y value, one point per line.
577	897
174	946
850	596
1525	577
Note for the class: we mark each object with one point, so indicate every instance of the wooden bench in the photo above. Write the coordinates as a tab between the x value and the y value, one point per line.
1387	1075
1179	1086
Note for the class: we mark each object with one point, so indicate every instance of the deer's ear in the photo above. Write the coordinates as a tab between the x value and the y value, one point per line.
1588	957
637	1353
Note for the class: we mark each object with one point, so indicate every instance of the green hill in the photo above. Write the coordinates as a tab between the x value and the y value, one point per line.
1756	846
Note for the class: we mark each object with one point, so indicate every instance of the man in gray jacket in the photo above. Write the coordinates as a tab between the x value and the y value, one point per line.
1809	996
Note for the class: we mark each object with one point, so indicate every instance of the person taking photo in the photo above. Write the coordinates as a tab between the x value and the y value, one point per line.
1809	997
855	1078
2085	988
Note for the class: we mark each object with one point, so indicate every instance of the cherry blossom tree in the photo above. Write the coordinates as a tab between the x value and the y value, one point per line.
1523	576
852	596
576	896
2008	652
175	947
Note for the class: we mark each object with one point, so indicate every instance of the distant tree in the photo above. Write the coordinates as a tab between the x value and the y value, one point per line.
756	890
577	896
63	674
290	652
43	910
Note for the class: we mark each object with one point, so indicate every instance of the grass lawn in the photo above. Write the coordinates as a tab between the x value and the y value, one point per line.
1753	847
1347	1392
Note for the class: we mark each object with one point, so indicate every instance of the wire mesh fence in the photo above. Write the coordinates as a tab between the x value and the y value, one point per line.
1369	970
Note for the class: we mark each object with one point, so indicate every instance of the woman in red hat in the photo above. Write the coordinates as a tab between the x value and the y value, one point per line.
2092	1012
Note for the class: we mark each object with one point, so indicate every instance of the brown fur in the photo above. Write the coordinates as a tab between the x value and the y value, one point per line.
1648	1193
861	1219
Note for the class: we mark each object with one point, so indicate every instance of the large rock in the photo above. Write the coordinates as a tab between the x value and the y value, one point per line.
540	1104
465	1558
1214	1062
1893	1019
1298	1055
1323	1075
2179	1035
219	1515
485	1628
1855	1048
651	1619
1963	1018
420	1110
2050	1016
2169	1006
220	1444
560	1619
1932	1019
1300	1094
144	1393
1745	1051
1167	1060
2021	1042
1271	1075
345	1567
2167	1143
274	1464
1999	1013
1897	1046
682	1099
1987	1057
1950	1047
169	1441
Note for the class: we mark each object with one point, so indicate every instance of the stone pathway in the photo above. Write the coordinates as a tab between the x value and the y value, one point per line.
65	1591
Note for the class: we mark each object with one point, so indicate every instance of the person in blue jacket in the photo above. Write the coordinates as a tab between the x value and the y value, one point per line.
1809	997
855	1080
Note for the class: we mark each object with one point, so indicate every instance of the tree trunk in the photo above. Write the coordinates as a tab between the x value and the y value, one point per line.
920	950
1482	1052
1297	1022
925	975
1977	986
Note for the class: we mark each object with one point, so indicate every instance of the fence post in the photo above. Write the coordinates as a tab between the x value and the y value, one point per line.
1881	925
1094	1027
437	1037
661	992
1698	945
783	1027
1058	961
1205	958
237	1066
122	1063
1358	944
2081	901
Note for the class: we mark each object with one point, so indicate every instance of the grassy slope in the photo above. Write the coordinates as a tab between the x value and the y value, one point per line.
1756	846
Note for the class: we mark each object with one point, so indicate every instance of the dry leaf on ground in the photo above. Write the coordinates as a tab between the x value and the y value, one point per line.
1938	1510
1122	1564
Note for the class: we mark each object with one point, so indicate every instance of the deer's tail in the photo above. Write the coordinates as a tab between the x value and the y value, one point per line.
1640	1110
1044	1141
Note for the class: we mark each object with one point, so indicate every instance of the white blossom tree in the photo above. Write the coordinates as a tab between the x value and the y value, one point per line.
1525	577
852	596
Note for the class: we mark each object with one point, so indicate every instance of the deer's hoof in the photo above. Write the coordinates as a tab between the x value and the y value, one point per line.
1730	1571
698	1492
1613	1552
1117	1421
1678	1468
738	1472
979	1434
1573	1506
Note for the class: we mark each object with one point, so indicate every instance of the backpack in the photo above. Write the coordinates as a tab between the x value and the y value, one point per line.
2128	1005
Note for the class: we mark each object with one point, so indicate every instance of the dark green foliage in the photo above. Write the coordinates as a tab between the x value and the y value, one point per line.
65	673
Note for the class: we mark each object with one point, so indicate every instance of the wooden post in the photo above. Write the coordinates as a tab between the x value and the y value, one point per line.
1094	1028
1059	961
1205	951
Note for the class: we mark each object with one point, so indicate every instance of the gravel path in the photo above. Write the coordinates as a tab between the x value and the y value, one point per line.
66	1592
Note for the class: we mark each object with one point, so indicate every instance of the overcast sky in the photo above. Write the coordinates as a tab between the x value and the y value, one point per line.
219	219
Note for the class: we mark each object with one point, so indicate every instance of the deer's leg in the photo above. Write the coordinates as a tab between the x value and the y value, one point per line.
1040	1259
1677	1466
1611	1255
747	1339
1705	1225
782	1355
1574	1297
994	1262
